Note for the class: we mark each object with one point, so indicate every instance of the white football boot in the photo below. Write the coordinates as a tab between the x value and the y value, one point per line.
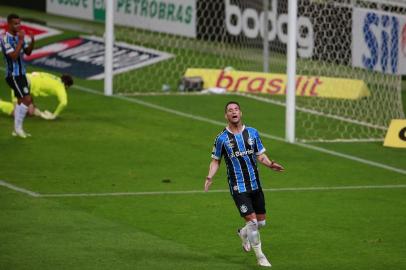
20	133
263	261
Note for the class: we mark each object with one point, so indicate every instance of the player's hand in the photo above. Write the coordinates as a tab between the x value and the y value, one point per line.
276	167
20	35
32	110
32	37
48	115
207	184
44	115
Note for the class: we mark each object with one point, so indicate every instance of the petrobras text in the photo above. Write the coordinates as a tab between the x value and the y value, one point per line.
249	22
379	41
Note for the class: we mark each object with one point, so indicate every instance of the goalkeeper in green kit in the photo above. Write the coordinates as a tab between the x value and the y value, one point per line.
43	84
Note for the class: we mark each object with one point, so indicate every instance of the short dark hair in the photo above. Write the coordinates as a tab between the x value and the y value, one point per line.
12	16
67	80
231	102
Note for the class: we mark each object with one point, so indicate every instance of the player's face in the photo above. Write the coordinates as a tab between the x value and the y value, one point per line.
233	114
14	26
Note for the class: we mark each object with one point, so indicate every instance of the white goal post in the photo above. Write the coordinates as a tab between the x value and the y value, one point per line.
291	72
109	45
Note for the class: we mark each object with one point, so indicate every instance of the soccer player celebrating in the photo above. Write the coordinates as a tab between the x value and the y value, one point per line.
13	47
241	147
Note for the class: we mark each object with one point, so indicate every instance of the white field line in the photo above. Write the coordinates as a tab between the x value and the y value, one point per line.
207	120
343	140
21	190
186	192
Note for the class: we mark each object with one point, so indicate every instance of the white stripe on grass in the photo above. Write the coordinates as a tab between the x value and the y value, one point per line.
186	192
19	189
207	120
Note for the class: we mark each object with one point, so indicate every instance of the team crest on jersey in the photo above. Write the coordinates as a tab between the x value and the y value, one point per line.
250	141
25	89
235	188
243	208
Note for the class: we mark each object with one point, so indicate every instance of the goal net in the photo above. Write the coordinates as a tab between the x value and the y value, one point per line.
346	32
195	36
363	94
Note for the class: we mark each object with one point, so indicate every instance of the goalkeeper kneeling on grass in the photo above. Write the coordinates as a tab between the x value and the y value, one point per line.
45	84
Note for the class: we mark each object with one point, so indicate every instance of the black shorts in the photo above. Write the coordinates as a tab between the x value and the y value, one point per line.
250	202
19	84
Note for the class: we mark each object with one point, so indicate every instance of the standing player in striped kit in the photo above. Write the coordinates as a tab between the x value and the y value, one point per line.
241	147
13	47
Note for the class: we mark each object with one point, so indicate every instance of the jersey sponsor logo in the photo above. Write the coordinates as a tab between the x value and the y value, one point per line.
241	153
243	208
84	57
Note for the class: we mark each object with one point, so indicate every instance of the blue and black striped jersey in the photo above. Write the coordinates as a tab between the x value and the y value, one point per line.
240	154
8	44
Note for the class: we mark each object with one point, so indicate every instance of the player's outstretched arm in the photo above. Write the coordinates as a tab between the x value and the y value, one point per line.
214	166
263	158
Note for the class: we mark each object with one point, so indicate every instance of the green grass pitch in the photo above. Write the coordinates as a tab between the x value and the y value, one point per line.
117	145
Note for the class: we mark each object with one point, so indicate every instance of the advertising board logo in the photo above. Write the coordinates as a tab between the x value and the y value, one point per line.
379	41
39	31
84	57
249	22
99	10
275	83
402	134
396	134
381	33
53	48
